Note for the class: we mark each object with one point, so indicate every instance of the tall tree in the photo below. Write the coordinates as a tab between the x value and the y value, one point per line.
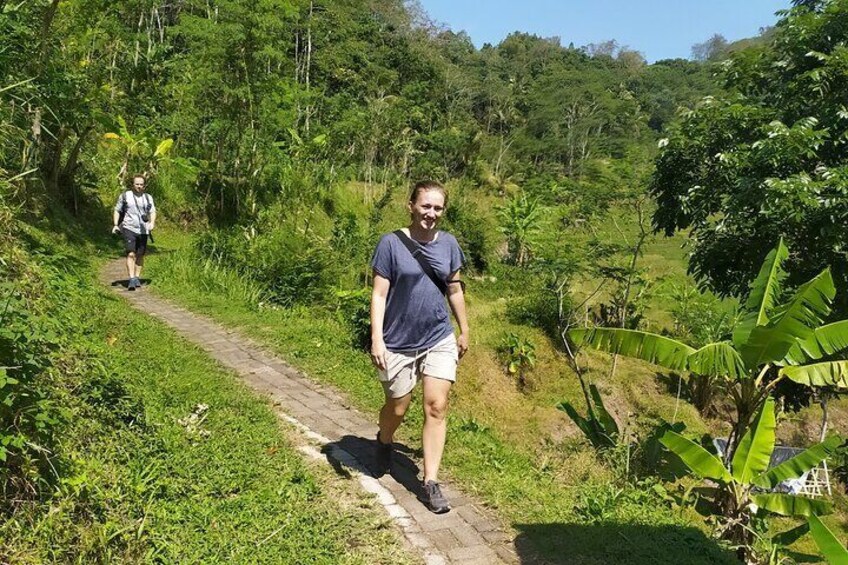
767	159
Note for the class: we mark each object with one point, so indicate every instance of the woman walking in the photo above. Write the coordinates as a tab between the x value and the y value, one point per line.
412	338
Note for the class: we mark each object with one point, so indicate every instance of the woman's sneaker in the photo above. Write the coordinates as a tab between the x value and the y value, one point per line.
433	498
383	456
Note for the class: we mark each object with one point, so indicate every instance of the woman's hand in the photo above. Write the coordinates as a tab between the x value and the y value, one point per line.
378	354
462	344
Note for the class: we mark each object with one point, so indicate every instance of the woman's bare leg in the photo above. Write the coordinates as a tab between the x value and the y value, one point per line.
391	416
435	426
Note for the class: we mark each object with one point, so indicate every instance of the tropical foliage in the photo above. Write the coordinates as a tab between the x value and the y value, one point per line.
828	544
773	341
747	486
283	134
766	158
598	426
519	222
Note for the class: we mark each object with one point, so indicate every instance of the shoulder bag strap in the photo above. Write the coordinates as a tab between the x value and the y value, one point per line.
415	250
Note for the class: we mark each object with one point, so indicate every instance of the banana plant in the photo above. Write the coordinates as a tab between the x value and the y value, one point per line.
599	427
773	341
745	486
828	544
140	146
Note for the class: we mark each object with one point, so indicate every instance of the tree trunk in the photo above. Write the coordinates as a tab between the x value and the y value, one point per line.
67	176
308	64
46	24
823	402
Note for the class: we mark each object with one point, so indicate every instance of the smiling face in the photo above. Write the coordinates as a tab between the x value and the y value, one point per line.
427	209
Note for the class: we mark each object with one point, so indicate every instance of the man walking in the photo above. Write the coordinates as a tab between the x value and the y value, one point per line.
134	217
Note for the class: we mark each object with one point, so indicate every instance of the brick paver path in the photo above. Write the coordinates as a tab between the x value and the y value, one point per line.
466	535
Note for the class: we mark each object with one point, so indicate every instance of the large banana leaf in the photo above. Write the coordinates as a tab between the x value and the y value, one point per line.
719	359
798	465
825	340
701	461
589	426
765	290
830	373
649	347
754	451
790	505
791	322
604	417
829	545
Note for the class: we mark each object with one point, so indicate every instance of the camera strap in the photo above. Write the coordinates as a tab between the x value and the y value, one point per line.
146	211
416	251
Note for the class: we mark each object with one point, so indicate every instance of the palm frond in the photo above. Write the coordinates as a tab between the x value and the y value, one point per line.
829	373
791	505
698	459
719	359
828	544
764	293
793	321
798	465
754	450
825	340
653	348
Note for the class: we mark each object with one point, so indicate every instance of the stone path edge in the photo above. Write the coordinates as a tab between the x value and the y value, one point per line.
467	535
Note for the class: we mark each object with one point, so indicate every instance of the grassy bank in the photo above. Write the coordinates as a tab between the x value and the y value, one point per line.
136	479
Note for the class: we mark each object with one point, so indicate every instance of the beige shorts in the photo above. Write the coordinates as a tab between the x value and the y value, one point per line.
405	368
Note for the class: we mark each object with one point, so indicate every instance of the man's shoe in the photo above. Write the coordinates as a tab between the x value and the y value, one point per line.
383	456
433	498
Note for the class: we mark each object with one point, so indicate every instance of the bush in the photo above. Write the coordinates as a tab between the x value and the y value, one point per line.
519	356
353	308
291	266
28	417
464	221
535	300
699	318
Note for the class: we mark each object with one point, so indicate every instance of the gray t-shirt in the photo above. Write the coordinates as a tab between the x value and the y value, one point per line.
136	206
417	315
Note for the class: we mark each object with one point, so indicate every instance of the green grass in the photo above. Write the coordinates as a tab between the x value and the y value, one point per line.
554	492
137	483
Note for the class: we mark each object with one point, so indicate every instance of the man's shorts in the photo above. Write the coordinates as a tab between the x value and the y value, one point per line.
135	242
405	368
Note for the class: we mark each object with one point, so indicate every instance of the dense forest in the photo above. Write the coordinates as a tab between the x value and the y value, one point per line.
280	138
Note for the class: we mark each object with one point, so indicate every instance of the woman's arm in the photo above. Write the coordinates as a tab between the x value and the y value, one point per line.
456	298
378	310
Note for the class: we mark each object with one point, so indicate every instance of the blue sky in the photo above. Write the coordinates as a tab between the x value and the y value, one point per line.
659	30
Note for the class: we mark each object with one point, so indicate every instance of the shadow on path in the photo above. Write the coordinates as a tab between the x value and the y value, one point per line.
125	282
361	450
622	544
